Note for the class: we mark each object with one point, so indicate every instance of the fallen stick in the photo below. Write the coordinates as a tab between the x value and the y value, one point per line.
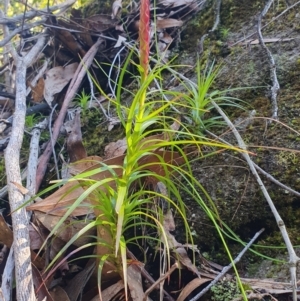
227	268
293	258
73	87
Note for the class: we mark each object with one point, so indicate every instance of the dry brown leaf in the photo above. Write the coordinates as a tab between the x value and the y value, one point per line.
58	294
167	23
67	230
190	287
40	285
75	287
84	165
56	79
38	90
109	293
99	22
21	188
169	223
75	147
59	202
182	256
6	234
134	280
114	149
36	240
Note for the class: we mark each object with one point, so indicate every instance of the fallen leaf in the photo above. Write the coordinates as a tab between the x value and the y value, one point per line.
21	188
41	290
38	90
134	281
6	234
68	229
114	149
109	293
117	5
75	147
167	23
190	287
56	79
58	294
120	41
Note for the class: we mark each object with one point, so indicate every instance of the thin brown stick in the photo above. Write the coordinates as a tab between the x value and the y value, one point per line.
74	85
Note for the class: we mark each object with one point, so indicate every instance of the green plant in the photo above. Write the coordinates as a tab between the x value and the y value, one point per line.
32	120
83	100
199	96
224	33
123	191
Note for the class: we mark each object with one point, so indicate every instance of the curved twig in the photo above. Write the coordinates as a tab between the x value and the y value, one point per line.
293	258
275	84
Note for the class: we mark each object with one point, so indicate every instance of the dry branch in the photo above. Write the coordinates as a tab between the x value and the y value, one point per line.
293	258
23	272
227	268
74	85
275	84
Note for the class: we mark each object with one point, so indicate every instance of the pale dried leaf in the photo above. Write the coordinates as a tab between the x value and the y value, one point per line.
120	41
135	285
270	40
117	5
115	149
175	3
56	79
169	223
190	287
175	125
109	293
112	122
21	188
167	23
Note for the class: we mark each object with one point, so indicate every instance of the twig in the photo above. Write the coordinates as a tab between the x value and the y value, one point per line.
267	175
273	19
34	13
33	156
217	15
25	289
75	83
275	84
93	97
52	142
227	268
159	280
293	258
7	277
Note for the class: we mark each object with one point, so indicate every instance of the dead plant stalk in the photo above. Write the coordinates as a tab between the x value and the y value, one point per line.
25	290
293	258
